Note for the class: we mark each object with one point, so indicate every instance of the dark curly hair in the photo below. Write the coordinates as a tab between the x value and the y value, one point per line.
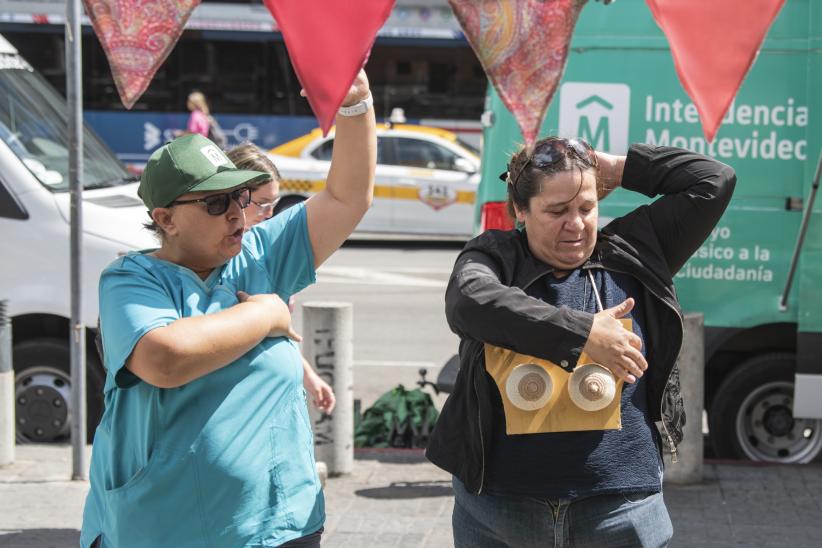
524	177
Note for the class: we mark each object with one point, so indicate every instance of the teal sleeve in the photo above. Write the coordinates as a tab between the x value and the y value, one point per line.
132	303
281	245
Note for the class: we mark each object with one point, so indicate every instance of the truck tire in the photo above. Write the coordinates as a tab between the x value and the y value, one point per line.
752	414
42	381
288	201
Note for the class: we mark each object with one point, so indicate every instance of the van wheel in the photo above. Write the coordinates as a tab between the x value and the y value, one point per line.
42	385
288	201
752	414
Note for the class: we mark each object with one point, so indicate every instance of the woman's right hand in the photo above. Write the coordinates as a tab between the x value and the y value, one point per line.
614	347
279	314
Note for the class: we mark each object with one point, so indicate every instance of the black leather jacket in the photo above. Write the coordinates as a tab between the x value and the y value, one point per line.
485	301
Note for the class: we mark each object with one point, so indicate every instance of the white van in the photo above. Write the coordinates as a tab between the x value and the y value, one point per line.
34	244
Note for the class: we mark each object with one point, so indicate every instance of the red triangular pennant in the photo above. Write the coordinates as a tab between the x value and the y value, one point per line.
328	42
714	43
523	47
137	36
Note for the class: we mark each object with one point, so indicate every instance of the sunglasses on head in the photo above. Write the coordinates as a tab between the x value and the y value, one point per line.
552	151
217	204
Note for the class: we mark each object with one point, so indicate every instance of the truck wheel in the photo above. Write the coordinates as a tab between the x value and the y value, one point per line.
752	414
287	202
42	381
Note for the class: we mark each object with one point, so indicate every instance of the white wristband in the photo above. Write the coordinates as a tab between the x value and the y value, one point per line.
357	108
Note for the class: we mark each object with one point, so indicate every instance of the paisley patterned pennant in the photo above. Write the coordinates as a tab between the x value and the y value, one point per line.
714	44
523	46
328	42
137	36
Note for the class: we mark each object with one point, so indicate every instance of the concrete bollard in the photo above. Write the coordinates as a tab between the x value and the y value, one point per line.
7	424
692	381
328	347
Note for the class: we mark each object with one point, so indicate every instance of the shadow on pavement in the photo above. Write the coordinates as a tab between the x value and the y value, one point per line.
403	243
409	490
391	455
41	538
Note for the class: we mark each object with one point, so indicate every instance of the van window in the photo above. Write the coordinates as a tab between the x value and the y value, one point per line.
34	125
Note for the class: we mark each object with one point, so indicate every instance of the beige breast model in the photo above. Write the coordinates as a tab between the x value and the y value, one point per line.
538	396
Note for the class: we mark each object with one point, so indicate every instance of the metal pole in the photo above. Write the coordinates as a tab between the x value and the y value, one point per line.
691	380
74	97
806	218
7	435
328	346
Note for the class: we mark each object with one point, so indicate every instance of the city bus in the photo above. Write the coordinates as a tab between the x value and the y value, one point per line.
233	52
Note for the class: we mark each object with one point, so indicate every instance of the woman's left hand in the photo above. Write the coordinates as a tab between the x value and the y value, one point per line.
358	91
321	393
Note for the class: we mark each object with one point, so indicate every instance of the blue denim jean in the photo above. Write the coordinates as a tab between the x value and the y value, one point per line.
602	521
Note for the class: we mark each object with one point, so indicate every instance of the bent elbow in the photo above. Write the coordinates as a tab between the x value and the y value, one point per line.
163	377
366	201
730	180
725	187
458	306
157	364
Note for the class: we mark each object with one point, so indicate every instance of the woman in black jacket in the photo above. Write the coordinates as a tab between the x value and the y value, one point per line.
531	305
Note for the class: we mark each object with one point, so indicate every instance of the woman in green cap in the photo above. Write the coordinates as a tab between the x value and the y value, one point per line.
205	440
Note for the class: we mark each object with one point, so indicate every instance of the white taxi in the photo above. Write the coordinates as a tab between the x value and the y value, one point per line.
426	179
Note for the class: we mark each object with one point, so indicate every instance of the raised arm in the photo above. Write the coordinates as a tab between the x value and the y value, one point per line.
694	189
334	212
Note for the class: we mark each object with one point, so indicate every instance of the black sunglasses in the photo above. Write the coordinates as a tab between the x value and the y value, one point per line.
552	151
217	204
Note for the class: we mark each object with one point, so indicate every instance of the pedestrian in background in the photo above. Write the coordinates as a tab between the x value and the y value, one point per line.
553	290
198	119
201	122
205	439
264	198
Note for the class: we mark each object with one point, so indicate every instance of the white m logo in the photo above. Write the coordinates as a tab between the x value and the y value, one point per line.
598	113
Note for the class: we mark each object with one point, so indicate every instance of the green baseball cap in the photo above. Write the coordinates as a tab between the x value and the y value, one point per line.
190	163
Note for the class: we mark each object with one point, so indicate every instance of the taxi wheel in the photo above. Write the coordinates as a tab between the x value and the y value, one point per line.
42	386
287	202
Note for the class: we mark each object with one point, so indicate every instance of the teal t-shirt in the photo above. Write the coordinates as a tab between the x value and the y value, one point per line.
226	460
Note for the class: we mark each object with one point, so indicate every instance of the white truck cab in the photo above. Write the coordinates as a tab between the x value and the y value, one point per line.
34	245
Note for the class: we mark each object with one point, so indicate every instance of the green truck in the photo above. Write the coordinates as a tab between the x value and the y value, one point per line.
763	377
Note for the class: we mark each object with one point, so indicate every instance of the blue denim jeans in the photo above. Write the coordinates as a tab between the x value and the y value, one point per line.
602	521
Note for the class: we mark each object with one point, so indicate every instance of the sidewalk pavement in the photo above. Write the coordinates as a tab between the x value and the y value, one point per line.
398	499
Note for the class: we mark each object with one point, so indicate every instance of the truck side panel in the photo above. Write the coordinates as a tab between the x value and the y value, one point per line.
809	355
